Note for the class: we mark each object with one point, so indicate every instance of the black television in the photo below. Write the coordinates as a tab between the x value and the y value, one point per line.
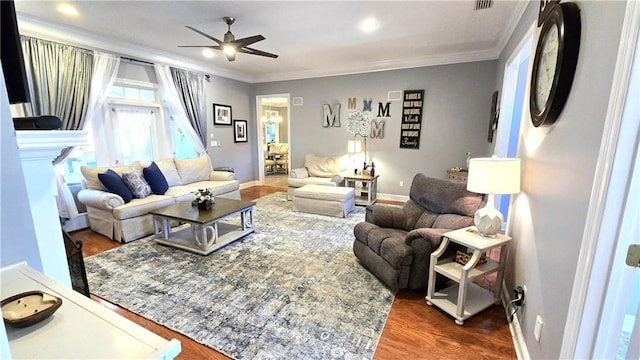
15	75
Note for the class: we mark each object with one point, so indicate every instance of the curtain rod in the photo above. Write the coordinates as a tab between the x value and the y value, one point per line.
136	60
206	76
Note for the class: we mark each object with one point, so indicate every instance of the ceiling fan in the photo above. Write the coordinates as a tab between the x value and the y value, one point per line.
230	46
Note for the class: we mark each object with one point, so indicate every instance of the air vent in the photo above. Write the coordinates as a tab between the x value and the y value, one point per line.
483	4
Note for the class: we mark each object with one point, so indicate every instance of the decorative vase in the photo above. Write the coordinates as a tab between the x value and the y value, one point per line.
205	205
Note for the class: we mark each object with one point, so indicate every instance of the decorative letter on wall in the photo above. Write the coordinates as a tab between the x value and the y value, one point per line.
331	115
383	111
411	119
351	104
377	129
366	104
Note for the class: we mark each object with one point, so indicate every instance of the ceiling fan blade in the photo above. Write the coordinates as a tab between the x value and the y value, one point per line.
247	41
252	51
205	35
215	47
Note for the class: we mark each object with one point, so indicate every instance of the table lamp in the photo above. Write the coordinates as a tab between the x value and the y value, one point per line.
354	147
492	176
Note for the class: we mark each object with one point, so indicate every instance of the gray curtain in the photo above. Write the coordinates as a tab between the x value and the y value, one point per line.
191	91
59	79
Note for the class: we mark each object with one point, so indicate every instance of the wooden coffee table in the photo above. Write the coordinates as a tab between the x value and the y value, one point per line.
205	232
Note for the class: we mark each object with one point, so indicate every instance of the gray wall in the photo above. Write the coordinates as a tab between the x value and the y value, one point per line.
548	217
241	156
455	118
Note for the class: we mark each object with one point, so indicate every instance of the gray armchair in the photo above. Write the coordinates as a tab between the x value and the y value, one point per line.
395	243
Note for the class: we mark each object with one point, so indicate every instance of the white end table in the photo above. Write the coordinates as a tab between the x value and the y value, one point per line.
366	188
465	298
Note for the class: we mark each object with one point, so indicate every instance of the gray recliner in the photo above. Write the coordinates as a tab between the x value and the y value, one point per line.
395	243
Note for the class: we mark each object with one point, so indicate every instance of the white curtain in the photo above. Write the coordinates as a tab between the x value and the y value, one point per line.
171	101
105	69
132	135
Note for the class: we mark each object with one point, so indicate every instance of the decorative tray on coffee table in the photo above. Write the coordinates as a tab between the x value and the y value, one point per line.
28	308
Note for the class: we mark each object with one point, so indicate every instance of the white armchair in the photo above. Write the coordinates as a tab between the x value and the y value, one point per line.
318	170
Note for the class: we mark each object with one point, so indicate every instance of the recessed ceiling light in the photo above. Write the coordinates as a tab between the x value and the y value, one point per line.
67	9
208	53
369	25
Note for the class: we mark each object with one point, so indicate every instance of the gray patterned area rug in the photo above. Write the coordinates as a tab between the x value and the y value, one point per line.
291	290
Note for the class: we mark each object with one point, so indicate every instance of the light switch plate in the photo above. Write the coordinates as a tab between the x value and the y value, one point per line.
633	255
537	329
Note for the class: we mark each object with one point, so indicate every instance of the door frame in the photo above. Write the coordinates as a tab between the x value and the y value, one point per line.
260	137
508	99
606	205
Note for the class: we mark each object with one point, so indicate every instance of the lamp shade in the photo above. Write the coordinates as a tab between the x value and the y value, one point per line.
494	175
354	146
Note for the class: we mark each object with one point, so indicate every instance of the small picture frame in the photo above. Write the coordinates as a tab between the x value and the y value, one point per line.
240	131
222	114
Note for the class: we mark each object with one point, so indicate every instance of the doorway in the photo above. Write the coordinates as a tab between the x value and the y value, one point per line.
273	129
513	109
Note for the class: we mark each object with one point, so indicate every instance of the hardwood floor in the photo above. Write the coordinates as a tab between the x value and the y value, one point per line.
413	330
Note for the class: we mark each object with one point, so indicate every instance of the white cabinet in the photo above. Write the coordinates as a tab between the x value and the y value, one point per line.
465	298
80	329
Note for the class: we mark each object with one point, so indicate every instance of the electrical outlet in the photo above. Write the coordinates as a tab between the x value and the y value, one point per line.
401	183
519	295
538	328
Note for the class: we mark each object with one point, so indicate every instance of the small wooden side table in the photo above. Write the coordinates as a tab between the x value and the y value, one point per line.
465	298
366	188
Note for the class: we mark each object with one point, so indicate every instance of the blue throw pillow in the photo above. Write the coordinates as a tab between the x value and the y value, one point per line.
114	184
156	179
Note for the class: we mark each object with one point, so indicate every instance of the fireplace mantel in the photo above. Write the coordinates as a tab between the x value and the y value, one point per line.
38	149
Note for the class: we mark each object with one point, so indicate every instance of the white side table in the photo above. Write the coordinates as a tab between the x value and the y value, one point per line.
465	298
366	188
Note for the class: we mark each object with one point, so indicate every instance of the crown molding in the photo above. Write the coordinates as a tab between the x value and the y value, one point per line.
446	59
31	26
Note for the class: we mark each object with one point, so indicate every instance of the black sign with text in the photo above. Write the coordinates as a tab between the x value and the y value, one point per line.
411	119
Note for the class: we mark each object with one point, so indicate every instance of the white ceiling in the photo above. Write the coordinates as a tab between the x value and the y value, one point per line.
312	38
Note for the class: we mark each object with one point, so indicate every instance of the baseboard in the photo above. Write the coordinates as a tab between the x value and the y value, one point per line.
249	184
393	197
514	326
80	222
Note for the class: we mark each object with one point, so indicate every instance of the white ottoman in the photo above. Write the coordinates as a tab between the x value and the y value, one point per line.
324	200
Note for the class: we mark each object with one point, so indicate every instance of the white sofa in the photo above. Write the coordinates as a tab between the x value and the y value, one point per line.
318	170
110	216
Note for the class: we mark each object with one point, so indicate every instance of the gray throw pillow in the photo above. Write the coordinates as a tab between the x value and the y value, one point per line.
136	183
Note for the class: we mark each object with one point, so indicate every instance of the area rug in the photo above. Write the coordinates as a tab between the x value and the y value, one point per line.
291	290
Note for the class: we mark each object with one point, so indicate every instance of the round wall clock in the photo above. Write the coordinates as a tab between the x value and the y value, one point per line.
554	64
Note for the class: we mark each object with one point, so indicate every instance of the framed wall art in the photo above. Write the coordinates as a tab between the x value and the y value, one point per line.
493	118
221	114
411	119
240	131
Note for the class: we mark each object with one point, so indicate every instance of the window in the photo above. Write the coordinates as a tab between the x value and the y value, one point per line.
133	128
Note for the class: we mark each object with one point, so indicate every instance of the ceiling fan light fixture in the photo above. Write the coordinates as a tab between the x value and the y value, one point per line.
231	46
229	50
